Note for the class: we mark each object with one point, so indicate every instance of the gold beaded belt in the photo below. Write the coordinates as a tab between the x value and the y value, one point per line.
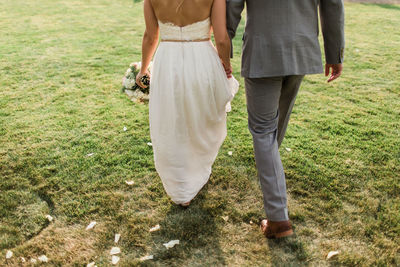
185	41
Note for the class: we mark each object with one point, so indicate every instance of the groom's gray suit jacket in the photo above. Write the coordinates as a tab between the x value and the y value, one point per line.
281	36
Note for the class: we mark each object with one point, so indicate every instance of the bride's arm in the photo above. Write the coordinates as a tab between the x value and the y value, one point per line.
150	40
222	41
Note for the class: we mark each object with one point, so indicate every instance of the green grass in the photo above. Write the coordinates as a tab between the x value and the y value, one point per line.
61	64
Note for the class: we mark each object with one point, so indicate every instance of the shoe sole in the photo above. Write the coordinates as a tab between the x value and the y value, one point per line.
185	205
282	234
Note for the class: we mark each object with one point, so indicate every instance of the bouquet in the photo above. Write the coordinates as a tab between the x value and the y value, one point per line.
129	85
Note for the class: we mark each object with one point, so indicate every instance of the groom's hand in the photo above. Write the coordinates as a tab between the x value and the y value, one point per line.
228	70
336	71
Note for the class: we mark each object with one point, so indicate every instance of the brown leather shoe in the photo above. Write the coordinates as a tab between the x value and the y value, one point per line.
276	229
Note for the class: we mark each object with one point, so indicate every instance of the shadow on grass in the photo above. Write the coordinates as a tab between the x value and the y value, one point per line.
288	250
197	230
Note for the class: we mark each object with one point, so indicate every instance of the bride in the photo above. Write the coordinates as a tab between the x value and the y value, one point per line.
191	87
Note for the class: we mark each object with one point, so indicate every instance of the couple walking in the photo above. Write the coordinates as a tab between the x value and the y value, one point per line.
192	85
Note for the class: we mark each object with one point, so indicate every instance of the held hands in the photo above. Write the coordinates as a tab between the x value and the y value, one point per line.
336	71
228	70
139	78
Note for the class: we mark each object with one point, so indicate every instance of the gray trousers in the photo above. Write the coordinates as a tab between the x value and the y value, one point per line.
269	105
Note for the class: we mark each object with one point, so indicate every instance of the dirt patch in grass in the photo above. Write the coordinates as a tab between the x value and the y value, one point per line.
63	245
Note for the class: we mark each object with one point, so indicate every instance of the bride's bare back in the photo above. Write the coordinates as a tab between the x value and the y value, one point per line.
182	12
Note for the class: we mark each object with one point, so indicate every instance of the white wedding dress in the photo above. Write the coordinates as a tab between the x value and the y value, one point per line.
189	97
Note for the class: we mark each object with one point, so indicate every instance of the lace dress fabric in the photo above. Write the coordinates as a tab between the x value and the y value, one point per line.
187	110
196	31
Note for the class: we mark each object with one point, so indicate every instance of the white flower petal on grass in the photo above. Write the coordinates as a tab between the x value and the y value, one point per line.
129	182
251	222
90	154
33	260
125	128
9	254
288	149
91	225
332	254
149	144
115	250
148	257
171	244
116	238
230	153
43	258
225	218
49	218
23	259
155	228
92	264
114	259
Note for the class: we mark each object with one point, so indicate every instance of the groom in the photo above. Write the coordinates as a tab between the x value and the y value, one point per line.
280	46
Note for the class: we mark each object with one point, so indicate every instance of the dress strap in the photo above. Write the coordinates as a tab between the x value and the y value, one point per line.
179	6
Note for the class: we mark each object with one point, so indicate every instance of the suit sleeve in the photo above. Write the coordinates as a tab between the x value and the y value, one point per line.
332	22
234	10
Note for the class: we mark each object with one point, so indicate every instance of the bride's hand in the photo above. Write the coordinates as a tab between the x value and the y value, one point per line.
228	71
139	79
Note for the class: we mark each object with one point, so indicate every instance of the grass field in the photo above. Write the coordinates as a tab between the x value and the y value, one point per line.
61	64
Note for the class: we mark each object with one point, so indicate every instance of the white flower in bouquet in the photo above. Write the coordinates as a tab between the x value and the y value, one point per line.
139	95
134	65
131	83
